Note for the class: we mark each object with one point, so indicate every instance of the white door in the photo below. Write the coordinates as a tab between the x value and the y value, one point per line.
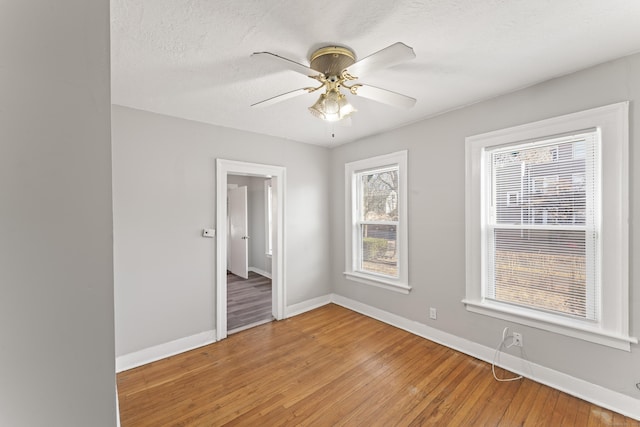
238	238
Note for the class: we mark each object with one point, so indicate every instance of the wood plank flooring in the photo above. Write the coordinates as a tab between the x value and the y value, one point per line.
335	367
248	300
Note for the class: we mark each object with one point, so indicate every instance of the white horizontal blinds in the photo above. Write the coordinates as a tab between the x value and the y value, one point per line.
378	221
541	232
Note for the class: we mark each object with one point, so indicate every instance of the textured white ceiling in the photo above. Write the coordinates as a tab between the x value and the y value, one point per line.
191	58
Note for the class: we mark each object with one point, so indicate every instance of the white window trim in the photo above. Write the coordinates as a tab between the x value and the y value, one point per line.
401	284
613	122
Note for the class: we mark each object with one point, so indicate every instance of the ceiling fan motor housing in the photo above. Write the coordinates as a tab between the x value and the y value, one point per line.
332	60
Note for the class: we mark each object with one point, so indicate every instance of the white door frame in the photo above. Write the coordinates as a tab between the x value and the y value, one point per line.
277	174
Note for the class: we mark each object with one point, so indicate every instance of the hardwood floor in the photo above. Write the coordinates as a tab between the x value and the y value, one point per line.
248	300
335	367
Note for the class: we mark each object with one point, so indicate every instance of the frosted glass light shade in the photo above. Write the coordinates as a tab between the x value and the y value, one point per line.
332	106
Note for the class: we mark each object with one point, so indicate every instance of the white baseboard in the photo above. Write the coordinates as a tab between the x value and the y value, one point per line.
308	305
593	393
260	272
161	351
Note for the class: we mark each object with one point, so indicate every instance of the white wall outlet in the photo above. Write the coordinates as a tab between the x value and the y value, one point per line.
433	313
208	232
517	339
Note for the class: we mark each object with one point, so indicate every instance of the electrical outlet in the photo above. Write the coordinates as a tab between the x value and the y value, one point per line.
517	339
433	313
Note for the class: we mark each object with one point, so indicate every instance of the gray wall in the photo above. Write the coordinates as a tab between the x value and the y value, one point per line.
164	195
56	266
436	218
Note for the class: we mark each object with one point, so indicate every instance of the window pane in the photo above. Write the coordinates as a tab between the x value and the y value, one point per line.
379	252
541	185
552	267
544	269
379	195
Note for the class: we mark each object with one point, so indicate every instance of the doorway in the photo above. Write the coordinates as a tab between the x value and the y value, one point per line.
249	293
276	175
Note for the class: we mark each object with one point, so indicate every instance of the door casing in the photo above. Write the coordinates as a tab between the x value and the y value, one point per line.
278	177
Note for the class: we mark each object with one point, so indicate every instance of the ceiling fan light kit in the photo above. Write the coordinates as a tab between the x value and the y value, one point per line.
331	62
331	67
332	106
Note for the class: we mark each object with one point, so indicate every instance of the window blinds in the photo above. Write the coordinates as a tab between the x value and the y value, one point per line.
542	225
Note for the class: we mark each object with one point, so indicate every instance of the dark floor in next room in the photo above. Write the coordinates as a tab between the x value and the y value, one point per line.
248	300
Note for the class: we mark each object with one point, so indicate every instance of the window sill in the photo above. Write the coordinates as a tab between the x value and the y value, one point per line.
377	281
562	326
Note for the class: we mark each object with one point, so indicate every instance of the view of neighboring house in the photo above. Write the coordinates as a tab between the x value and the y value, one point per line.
546	187
540	204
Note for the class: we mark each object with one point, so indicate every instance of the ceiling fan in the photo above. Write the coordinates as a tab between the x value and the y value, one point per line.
333	67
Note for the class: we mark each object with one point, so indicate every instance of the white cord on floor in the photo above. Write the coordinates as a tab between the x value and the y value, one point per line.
496	356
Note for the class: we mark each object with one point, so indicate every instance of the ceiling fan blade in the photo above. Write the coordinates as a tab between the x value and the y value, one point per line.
288	63
386	96
280	98
387	57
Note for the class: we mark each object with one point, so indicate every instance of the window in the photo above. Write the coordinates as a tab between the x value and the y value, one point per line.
557	259
537	252
268	203
376	237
